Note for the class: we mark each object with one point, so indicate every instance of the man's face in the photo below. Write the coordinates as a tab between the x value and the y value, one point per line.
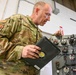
44	15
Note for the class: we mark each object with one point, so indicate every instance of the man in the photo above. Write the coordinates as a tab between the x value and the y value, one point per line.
18	35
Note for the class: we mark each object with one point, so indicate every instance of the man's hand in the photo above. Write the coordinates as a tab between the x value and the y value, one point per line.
58	33
31	51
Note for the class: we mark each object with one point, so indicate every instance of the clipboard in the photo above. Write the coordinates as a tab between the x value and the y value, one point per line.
48	52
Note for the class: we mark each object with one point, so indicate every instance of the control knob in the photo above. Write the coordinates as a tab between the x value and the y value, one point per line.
65	50
63	42
55	42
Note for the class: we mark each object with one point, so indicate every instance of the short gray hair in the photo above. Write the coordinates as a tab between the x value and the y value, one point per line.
40	3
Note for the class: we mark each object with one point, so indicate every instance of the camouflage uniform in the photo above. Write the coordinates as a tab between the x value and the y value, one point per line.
16	32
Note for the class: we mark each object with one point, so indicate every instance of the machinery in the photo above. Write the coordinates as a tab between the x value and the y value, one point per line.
65	62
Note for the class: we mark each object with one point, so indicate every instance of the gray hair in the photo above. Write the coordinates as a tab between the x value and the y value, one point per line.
40	3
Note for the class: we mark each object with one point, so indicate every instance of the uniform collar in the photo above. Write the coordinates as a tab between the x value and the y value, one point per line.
31	22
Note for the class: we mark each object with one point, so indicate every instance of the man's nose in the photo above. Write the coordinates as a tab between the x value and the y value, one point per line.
48	18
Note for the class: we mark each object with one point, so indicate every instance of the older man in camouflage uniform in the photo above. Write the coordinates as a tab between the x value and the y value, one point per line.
18	35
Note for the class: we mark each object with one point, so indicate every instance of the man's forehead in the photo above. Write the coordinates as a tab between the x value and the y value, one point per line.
47	7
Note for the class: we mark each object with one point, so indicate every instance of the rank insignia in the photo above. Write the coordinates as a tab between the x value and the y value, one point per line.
1	26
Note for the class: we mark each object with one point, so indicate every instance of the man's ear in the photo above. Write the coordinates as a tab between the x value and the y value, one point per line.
37	10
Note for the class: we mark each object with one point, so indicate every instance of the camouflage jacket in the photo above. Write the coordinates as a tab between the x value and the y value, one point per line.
16	32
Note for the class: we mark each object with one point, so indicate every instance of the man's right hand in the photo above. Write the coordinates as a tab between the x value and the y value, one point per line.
31	51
